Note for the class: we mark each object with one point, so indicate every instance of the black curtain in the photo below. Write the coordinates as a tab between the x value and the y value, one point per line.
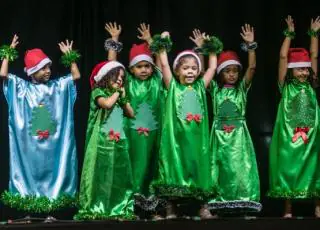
43	24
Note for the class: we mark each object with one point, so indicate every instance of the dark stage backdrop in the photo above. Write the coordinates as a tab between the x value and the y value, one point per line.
44	23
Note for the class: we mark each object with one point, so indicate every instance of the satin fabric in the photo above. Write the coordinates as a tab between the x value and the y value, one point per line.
41	167
106	180
234	167
184	163
295	165
144	145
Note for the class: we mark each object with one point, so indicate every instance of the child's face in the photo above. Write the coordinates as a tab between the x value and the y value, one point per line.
188	71
230	74
119	82
142	70
42	75
301	73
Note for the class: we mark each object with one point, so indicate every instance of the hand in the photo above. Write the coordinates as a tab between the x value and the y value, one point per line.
247	33
290	23
14	42
113	29
65	47
315	24
198	37
123	92
165	34
144	31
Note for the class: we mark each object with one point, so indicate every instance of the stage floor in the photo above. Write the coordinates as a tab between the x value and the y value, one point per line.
223	223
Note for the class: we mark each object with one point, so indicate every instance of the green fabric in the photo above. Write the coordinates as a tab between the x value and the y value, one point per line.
106	181
184	167
295	165
234	167
143	132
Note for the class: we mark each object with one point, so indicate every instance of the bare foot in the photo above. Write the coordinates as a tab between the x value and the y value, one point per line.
317	211
205	213
157	217
170	211
287	215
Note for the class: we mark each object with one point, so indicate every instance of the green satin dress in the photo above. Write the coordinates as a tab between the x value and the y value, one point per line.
143	132
184	163
234	167
295	146
106	189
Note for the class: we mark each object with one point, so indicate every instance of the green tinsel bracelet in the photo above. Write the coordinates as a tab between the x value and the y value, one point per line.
289	34
123	100
70	57
212	45
158	44
8	52
313	33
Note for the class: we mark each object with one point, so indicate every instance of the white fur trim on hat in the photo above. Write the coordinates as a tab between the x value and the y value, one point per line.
139	58
39	66
106	68
184	53
226	63
299	64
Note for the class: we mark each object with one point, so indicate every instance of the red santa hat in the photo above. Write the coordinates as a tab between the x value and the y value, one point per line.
227	58
298	57
184	53
101	69
35	60
140	53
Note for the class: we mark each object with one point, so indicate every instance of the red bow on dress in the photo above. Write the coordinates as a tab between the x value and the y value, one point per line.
301	132
114	135
196	117
43	134
228	128
144	131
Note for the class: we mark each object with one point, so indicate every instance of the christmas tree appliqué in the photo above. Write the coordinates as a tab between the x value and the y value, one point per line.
41	124
145	120
190	107
113	126
228	113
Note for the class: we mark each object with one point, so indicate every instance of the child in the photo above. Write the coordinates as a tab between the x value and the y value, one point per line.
184	167
295	145
106	180
43	159
234	162
145	91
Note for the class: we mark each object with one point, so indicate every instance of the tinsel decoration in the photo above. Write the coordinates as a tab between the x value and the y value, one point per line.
8	52
70	57
123	101
90	215
313	33
36	204
158	44
110	44
212	45
290	34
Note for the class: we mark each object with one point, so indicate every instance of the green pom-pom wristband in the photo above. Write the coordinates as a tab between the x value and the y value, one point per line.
70	57
313	33
123	101
158	44
7	52
212	45
289	34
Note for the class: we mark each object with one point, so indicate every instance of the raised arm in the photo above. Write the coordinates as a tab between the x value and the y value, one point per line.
5	62
209	74
145	35
114	30
283	59
165	67
314	45
247	35
65	49
198	39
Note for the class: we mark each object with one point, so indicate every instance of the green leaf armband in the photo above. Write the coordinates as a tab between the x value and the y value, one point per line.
123	100
289	34
313	33
70	57
212	45
158	44
7	52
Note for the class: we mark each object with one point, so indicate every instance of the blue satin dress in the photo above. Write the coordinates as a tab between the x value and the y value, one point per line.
43	158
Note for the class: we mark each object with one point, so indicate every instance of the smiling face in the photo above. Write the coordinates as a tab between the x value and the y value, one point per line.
142	70
187	69
117	81
42	75
301	73
230	74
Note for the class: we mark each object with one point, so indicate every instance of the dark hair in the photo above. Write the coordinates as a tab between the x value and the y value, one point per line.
112	75
220	80
289	76
182	60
